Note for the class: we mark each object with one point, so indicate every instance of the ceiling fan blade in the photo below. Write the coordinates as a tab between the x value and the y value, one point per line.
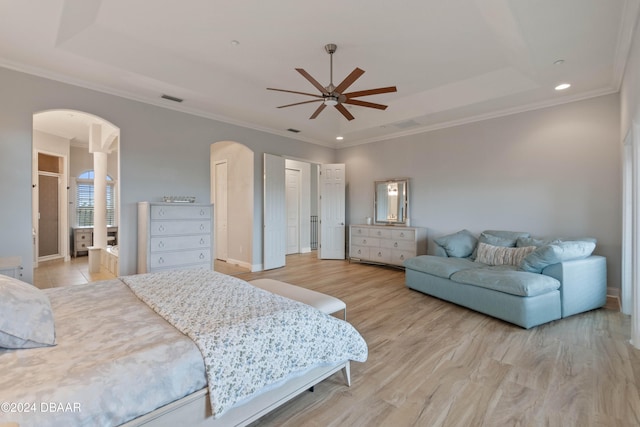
313	81
348	81
295	91
318	111
365	104
300	103
344	111
371	92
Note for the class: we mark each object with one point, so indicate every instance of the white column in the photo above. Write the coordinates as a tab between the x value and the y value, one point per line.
100	200
100	153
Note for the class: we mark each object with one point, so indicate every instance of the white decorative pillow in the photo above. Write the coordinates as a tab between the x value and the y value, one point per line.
26	319
500	255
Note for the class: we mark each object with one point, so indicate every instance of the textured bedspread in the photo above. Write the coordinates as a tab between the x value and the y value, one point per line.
249	338
115	359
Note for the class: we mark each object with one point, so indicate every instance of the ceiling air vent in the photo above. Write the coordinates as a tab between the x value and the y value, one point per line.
406	125
293	130
172	98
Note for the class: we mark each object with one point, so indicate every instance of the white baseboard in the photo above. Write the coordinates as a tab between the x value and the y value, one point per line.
239	263
613	292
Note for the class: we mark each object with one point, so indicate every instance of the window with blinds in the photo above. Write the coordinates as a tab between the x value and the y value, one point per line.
85	200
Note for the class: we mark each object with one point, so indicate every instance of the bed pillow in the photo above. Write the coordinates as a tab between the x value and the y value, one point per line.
27	319
501	255
458	245
554	253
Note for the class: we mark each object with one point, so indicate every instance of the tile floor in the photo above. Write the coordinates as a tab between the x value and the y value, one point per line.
56	273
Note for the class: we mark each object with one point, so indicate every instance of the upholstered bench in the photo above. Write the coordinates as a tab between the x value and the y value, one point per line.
325	303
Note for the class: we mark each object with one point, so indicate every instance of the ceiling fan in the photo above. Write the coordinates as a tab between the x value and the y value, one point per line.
334	95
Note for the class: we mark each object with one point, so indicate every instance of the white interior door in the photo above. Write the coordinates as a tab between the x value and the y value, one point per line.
274	215
293	210
221	209
332	212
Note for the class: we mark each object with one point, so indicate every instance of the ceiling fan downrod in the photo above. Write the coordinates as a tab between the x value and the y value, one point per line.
330	48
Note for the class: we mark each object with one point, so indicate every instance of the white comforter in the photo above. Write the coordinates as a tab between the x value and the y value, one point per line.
249	338
115	359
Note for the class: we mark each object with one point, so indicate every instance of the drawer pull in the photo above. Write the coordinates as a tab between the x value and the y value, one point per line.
402	257
395	245
161	244
161	228
379	254
161	212
201	227
201	256
160	260
364	241
202	241
202	212
359	231
402	234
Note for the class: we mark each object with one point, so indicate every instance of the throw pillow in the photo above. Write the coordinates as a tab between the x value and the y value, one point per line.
459	245
530	241
508	238
554	253
501	255
498	238
27	318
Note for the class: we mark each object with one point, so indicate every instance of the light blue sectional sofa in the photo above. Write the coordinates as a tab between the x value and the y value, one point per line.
511	276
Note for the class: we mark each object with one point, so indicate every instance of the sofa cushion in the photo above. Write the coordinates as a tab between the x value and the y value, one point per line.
507	279
439	266
507	238
555	253
459	245
530	241
499	255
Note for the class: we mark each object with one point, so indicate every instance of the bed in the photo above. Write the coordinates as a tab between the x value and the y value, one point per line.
188	347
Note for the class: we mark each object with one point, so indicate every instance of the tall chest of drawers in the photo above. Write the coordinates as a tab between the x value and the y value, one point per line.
386	244
174	236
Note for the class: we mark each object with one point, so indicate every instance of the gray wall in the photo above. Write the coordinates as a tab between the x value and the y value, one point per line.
552	172
162	152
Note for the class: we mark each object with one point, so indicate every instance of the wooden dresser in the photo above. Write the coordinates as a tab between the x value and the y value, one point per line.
174	236
382	244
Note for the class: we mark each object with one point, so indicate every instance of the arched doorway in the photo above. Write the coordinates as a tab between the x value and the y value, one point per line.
232	193
66	144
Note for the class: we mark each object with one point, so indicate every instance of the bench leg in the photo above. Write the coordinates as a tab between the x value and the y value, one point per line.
346	372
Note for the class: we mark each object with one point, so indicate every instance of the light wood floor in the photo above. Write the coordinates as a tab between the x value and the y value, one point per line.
432	363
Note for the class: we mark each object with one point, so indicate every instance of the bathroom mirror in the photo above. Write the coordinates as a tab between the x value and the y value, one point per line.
391	201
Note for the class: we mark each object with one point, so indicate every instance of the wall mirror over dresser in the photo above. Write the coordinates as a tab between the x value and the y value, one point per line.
389	240
391	201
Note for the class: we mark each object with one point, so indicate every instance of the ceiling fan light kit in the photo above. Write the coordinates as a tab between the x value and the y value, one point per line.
335	96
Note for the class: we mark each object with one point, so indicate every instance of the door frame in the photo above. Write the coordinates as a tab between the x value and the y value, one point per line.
298	195
224	239
274	237
63	203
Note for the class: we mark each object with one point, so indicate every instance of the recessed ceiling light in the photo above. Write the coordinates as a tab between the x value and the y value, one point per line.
339	138
559	62
235	43
563	86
